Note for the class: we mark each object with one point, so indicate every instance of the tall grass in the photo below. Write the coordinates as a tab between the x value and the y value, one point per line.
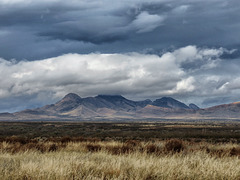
172	159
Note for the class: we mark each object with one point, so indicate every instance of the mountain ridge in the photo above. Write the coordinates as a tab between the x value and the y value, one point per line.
72	106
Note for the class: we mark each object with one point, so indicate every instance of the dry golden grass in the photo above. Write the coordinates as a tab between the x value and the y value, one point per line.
172	159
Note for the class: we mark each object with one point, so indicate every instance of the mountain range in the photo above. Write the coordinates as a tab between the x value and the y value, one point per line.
73	107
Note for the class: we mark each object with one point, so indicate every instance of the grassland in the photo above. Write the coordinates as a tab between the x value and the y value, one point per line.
107	150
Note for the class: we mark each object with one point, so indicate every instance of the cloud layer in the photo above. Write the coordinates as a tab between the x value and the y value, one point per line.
133	75
55	27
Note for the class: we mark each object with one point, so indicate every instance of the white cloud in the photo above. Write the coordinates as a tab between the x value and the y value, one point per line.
188	53
185	85
181	9
146	22
86	73
212	52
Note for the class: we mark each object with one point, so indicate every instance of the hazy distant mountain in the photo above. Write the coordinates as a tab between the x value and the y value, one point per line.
73	107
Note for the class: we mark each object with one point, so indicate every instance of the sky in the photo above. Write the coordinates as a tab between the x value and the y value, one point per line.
141	49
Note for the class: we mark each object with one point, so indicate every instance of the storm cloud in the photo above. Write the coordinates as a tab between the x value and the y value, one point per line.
41	29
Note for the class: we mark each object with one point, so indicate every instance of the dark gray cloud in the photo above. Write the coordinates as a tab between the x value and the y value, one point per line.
107	27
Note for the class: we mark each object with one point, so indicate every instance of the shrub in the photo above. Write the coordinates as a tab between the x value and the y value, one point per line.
133	143
235	151
65	139
120	149
93	147
53	147
174	145
15	139
152	148
41	147
125	149
115	150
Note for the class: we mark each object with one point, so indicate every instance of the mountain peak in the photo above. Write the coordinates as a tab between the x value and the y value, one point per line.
169	102
67	103
71	96
193	106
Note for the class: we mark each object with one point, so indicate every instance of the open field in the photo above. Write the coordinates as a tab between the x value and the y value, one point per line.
172	159
107	150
